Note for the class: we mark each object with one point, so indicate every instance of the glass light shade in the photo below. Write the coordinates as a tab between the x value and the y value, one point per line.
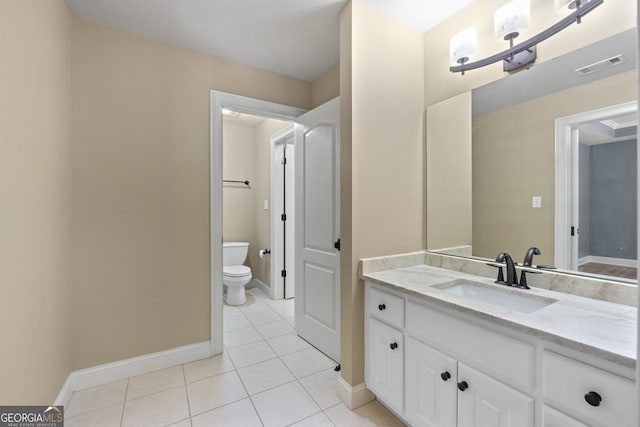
564	6
512	19
463	46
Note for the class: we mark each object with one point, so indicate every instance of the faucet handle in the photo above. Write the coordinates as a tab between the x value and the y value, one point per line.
523	278
500	278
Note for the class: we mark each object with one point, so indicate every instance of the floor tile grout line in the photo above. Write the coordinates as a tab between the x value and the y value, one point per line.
221	406
186	392
124	403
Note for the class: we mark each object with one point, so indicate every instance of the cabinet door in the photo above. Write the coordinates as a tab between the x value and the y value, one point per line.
485	402
553	418
431	391
385	367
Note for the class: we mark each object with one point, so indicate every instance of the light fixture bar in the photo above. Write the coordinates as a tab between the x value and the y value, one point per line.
533	41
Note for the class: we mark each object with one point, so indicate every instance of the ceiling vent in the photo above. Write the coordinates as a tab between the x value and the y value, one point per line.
602	65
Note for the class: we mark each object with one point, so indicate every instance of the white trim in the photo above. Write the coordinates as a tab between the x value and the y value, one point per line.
276	223
353	397
109	372
262	286
563	181
620	262
242	104
64	396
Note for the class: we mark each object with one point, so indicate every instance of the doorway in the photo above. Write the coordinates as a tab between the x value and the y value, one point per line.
596	192
317	239
224	101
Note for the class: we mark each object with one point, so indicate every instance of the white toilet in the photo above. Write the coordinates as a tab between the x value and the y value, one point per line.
235	275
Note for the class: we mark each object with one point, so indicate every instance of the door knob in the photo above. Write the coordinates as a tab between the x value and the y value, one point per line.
445	376
462	386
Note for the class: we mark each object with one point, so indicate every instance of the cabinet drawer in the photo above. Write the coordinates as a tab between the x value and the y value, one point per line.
386	307
505	358
567	384
553	418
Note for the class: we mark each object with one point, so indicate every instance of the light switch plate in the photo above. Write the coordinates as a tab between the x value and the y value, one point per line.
536	202
266	205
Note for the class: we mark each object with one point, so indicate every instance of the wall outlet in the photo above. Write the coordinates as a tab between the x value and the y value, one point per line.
536	202
266	205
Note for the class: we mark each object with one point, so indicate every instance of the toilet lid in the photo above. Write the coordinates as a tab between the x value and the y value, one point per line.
236	270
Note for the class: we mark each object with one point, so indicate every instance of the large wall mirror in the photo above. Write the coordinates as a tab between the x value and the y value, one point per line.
554	164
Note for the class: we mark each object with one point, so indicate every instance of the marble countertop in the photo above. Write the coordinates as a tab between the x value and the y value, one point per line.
603	329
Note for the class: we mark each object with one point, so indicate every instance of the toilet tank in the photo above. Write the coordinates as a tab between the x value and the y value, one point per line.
234	253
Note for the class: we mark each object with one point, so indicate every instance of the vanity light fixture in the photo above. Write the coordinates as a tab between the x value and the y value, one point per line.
463	46
509	21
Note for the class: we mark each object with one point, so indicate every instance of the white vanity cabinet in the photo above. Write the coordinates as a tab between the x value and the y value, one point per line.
435	366
429	387
442	391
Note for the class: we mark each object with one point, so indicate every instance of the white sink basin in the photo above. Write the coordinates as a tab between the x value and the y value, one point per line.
505	297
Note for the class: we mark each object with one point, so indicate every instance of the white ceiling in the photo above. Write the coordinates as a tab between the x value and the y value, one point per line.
298	38
604	131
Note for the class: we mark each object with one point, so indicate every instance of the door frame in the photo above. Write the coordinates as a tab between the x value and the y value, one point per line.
566	172
241	104
276	222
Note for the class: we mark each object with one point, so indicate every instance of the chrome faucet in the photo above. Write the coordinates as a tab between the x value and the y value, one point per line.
512	278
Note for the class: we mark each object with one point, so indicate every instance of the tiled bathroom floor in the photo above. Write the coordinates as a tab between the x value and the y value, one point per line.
267	376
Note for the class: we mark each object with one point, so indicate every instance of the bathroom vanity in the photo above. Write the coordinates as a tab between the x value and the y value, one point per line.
445	348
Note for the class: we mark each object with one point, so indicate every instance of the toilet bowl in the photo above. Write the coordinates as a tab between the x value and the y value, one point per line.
235	275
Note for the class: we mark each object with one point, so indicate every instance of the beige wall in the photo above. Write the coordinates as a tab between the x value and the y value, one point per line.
140	188
239	160
610	18
502	194
35	125
448	169
326	87
382	157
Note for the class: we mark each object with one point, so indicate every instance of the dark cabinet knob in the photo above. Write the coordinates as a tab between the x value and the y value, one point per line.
393	345
382	307
462	386
445	376
593	398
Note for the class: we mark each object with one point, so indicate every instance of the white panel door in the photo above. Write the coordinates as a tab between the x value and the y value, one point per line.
317	196
431	392
485	402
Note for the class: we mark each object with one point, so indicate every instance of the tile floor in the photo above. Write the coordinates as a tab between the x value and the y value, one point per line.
268	376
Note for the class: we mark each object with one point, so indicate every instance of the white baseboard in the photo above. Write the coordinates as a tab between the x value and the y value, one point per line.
103	374
262	286
64	396
353	397
620	262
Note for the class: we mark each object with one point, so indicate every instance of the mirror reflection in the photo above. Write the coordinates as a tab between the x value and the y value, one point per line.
554	162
